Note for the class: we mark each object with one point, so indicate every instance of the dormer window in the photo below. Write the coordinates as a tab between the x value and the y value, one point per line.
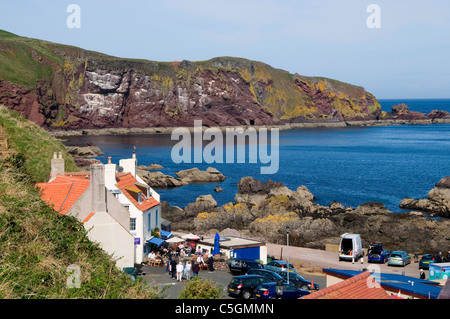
144	189
136	193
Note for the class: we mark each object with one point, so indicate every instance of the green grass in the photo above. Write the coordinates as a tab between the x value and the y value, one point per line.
35	144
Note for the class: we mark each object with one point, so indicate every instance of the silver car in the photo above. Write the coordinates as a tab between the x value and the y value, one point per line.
399	258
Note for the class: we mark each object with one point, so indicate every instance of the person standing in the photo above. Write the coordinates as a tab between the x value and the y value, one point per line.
211	263
422	274
173	266
188	269
195	269
180	269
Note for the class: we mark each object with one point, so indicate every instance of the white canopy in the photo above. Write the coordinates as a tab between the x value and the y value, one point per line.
190	236
174	240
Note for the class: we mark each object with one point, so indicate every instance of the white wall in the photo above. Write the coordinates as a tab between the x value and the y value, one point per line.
112	238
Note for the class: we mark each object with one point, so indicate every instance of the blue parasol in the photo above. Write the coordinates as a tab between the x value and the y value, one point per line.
216	250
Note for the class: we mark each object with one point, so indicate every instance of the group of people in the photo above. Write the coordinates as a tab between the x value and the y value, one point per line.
178	269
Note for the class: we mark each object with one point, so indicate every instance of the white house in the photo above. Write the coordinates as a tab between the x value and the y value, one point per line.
84	196
141	200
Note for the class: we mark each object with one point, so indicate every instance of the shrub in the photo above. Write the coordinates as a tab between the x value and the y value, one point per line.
198	288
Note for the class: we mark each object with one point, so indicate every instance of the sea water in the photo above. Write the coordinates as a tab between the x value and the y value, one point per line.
352	165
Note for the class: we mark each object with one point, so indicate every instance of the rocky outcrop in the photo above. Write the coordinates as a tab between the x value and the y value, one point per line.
403	113
437	203
158	179
264	210
194	175
84	151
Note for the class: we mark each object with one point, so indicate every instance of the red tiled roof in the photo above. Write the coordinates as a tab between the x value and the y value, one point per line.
362	286
63	192
127	184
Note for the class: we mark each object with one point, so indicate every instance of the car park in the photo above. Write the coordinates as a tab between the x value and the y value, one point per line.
268	291
241	266
298	280
399	258
244	286
428	259
279	265
378	255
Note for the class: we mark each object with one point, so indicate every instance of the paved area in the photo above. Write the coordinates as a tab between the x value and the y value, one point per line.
309	263
317	259
159	277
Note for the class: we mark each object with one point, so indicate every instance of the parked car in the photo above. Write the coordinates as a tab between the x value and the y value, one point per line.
279	265
428	259
241	266
268	291
350	247
298	280
244	286
377	255
269	275
399	258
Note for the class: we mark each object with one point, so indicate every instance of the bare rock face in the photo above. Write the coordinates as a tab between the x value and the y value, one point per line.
203	203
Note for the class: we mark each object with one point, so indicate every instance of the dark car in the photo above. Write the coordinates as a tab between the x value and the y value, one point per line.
244	286
378	255
241	266
298	280
268	291
428	259
270	275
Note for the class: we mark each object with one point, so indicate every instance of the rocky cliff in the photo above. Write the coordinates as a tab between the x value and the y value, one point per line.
64	87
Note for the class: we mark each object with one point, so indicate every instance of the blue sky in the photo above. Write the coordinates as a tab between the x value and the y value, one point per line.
408	57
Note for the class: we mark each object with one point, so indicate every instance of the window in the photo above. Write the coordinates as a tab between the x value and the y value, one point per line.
156	218
149	221
132	224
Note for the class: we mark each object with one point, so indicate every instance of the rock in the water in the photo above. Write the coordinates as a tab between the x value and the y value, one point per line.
194	175
84	151
438	202
160	180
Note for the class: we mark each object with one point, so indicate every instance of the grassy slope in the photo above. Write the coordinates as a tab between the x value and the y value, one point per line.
25	61
38	244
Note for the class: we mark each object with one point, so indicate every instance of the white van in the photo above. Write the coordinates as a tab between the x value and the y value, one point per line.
350	247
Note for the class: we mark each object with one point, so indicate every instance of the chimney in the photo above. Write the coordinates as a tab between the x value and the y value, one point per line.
97	186
110	174
57	166
129	164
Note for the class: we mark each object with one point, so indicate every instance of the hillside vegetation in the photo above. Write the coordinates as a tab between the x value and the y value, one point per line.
38	244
